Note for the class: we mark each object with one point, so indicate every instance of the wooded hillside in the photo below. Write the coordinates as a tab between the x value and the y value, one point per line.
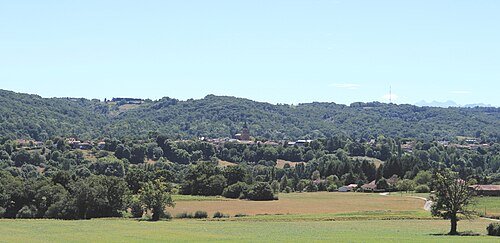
31	116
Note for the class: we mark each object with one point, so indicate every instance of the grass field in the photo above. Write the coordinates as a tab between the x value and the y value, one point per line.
281	163
223	163
121	230
296	217
489	206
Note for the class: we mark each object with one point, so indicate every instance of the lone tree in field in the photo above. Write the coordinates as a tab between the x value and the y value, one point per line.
451	198
154	196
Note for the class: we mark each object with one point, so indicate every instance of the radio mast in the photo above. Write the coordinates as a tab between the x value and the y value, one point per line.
390	94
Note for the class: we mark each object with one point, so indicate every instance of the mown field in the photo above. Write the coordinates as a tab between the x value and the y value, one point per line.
303	203
296	217
122	230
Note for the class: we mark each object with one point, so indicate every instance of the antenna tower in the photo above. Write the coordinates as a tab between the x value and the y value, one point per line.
390	94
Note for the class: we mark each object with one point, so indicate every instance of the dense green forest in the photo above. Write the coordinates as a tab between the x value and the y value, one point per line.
31	116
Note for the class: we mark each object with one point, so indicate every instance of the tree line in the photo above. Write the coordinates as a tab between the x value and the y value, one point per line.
132	176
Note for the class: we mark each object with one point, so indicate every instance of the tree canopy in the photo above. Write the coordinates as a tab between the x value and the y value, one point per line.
30	116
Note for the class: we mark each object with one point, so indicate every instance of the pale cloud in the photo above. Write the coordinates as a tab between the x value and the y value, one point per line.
389	97
460	92
346	86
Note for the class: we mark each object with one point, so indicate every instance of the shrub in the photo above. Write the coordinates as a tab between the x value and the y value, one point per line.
137	211
101	154
275	185
240	215
322	186
422	189
301	185
494	229
332	188
382	184
136	208
184	215
26	212
261	191
288	189
219	215
166	215
64	209
2	212
200	215
125	214
311	187
236	190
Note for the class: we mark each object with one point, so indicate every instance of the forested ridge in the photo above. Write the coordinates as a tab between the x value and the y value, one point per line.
31	116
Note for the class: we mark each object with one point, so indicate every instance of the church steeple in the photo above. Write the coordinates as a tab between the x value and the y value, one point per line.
245	132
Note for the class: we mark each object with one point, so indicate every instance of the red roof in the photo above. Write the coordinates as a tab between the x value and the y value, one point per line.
370	186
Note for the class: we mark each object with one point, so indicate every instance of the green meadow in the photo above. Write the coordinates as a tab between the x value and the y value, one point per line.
340	220
124	230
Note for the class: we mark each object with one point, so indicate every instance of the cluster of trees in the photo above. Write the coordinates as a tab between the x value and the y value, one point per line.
58	181
30	116
66	196
62	196
232	182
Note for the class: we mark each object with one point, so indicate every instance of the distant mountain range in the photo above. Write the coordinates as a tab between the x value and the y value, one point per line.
31	116
449	103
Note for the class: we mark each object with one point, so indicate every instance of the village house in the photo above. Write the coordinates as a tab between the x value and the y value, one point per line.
486	190
73	142
85	146
101	145
348	188
408	147
302	143
370	187
299	143
29	144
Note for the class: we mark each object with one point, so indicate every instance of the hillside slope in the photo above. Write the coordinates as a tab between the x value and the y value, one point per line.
30	116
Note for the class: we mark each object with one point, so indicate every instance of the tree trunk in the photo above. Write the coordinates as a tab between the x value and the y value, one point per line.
155	215
453	230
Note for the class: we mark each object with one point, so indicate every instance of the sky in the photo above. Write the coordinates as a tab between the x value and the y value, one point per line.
279	51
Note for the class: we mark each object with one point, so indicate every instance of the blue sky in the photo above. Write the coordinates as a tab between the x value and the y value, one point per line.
274	51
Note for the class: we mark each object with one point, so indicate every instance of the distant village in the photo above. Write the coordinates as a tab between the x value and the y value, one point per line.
245	138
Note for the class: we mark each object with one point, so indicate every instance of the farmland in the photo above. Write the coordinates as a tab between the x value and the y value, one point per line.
304	203
296	217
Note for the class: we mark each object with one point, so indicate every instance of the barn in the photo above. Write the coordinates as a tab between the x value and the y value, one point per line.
487	190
